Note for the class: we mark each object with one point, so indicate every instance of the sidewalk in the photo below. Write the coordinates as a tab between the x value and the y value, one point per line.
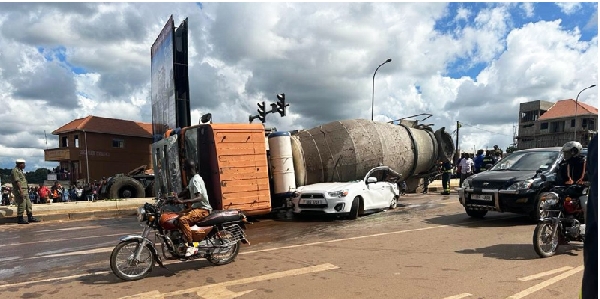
77	210
436	186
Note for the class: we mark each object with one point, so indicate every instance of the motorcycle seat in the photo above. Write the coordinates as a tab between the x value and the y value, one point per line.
221	216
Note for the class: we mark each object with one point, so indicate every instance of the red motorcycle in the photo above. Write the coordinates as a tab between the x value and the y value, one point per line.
217	237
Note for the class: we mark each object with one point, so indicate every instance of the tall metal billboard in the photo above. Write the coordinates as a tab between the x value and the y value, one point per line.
164	113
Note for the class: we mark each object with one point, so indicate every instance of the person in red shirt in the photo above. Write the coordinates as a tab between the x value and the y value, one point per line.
43	192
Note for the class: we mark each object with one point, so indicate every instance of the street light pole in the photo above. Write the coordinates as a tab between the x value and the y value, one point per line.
373	96
576	104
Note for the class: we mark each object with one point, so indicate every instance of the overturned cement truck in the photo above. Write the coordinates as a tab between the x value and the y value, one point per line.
244	171
342	151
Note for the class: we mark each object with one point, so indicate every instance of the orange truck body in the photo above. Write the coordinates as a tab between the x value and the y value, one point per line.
233	164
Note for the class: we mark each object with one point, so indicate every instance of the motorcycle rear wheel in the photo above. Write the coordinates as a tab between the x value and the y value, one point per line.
545	240
223	258
121	259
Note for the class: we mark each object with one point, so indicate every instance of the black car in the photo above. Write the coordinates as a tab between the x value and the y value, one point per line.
513	184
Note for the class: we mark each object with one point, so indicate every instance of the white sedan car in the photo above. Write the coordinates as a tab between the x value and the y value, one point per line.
352	198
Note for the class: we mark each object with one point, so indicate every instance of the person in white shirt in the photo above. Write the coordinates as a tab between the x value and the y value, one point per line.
466	167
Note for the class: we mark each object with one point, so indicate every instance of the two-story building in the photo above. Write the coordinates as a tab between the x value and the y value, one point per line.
547	124
94	147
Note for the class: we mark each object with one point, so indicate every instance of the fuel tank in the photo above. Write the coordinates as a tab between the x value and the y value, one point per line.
167	221
346	150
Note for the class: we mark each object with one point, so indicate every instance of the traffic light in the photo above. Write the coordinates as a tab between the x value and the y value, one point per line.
262	112
281	104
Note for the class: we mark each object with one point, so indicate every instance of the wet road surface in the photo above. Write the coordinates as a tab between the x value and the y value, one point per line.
427	249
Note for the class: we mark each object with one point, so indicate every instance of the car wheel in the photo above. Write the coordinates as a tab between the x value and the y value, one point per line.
476	213
355	208
394	202
538	210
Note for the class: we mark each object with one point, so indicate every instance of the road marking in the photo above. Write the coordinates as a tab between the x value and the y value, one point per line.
338	240
59	240
66	229
82	252
542	274
220	291
12	285
545	283
459	296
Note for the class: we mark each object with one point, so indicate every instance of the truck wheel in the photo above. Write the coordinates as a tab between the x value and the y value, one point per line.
126	187
476	213
414	185
150	190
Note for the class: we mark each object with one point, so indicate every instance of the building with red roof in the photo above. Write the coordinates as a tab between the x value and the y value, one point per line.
548	124
93	147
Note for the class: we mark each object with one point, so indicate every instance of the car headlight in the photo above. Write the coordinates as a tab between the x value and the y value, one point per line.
141	214
520	185
339	194
467	183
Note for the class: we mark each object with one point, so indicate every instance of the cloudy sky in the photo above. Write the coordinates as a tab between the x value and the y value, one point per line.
471	62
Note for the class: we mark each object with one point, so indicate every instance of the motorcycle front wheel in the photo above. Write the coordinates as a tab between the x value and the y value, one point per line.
545	239
124	264
223	256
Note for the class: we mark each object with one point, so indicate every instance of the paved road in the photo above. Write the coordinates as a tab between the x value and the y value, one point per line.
428	249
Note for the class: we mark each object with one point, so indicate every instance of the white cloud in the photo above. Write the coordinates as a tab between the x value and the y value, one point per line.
528	9
322	55
569	7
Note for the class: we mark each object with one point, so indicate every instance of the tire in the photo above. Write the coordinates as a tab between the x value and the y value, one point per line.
540	238
393	203
150	190
414	185
354	211
233	252
115	266
126	187
479	214
536	214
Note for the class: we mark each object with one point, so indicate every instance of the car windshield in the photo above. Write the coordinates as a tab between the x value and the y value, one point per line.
527	161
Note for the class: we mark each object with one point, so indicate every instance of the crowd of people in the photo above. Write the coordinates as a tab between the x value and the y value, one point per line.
56	193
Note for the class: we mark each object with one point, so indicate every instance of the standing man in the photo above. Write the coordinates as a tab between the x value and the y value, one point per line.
197	205
446	174
479	161
466	168
590	245
22	200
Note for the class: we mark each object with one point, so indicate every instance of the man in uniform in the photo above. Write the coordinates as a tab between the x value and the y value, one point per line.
198	206
487	160
21	194
446	174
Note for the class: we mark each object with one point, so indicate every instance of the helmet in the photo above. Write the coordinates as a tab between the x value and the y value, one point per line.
20	161
571	149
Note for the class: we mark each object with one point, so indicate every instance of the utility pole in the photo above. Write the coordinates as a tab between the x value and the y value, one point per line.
457	127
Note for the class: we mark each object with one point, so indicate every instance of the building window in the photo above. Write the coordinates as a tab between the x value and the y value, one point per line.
527	126
544	126
557	127
64	141
588	124
76	141
572	123
118	143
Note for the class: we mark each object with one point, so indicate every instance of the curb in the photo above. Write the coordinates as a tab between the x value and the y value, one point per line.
99	214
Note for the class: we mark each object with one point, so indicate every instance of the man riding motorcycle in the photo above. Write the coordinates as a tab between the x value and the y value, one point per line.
572	167
197	205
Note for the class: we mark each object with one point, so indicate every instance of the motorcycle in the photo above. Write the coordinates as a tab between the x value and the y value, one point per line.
562	218
217	238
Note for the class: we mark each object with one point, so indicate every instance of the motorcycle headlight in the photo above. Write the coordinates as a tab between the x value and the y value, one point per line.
520	185
141	214
549	199
340	193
